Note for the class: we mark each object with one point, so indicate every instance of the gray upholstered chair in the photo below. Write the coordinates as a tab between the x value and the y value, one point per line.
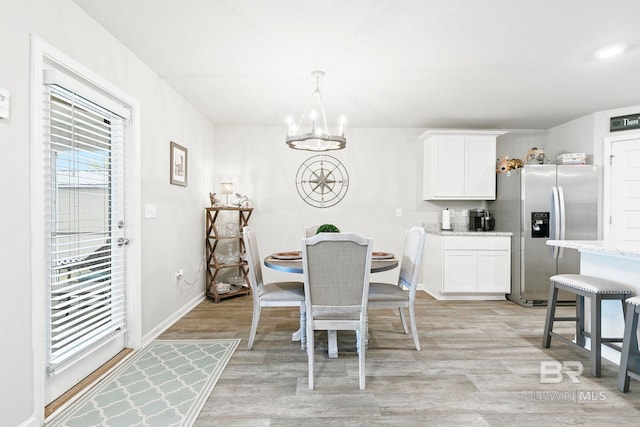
276	294
402	295
336	268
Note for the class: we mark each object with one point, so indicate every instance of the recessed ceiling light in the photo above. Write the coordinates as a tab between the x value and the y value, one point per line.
610	51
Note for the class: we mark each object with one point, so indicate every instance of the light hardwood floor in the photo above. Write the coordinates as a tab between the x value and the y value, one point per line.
479	365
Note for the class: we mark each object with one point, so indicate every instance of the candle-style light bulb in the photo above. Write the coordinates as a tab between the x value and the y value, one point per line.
313	120
289	126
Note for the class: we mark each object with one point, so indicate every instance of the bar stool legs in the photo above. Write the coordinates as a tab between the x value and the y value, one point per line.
630	359
597	290
551	316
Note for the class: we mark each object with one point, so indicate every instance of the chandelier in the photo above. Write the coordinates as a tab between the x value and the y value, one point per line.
312	133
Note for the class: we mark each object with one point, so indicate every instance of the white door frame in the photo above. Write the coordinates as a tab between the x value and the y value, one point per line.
41	52
606	190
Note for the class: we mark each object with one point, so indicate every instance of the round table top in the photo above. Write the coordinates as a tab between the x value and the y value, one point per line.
295	265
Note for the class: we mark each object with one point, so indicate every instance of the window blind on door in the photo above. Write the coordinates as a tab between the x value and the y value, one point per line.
86	293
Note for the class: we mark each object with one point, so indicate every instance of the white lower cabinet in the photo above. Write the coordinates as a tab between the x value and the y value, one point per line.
467	267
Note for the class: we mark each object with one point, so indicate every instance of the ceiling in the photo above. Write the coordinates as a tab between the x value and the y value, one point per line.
509	64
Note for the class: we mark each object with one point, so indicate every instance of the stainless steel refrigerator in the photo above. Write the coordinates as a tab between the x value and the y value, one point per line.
541	202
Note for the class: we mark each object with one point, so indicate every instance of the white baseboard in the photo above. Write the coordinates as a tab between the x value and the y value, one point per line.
468	296
155	332
29	422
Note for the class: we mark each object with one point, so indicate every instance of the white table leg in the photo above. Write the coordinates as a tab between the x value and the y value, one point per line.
332	344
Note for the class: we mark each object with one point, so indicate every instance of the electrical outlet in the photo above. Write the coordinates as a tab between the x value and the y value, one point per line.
179	274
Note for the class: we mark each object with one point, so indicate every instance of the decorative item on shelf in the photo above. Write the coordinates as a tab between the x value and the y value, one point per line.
572	159
226	188
232	256
223	288
505	164
312	132
232	230
327	228
241	201
515	163
535	156
214	200
502	164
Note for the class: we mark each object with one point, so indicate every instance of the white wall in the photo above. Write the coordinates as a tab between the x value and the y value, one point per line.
382	166
172	240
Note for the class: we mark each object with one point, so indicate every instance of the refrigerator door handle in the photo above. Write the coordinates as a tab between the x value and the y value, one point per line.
555	217
563	218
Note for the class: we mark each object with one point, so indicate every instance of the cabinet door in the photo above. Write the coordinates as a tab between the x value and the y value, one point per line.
447	168
460	271
480	167
494	271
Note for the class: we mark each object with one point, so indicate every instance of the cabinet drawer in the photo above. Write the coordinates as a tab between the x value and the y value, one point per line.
479	243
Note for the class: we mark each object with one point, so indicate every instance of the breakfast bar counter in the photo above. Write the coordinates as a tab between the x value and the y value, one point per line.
602	247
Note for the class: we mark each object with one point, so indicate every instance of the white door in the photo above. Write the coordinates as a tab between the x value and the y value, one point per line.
85	235
624	190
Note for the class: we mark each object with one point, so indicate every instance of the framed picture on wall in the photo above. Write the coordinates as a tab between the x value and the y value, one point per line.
178	165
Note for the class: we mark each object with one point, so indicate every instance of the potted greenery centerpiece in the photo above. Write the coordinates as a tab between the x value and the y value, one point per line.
327	228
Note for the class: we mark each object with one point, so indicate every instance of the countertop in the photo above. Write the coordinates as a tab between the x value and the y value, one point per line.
623	249
437	232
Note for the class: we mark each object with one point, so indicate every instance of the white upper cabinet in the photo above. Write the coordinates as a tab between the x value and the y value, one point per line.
460	164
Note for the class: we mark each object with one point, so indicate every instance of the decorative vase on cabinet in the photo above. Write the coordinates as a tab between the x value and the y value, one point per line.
460	164
225	253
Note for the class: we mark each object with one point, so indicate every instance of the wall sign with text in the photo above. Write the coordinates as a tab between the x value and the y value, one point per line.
632	121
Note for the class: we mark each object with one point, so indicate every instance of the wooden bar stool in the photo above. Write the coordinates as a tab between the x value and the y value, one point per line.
597	290
630	359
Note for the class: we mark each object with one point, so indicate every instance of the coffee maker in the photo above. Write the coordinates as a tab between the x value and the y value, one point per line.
480	220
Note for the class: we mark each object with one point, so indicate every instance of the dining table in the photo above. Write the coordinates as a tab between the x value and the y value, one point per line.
291	262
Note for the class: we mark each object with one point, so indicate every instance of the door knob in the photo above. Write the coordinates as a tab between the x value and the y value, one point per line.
122	241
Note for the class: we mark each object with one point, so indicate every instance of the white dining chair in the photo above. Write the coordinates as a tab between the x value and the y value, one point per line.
337	267
402	295
274	294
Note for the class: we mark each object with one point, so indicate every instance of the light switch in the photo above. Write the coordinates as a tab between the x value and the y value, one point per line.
398	211
4	103
149	210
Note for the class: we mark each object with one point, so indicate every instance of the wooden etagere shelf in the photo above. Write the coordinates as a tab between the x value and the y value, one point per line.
219	261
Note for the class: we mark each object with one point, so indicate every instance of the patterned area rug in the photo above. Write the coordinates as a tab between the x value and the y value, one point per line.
165	384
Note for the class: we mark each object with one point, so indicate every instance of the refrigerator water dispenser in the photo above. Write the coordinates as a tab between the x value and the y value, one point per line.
540	225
